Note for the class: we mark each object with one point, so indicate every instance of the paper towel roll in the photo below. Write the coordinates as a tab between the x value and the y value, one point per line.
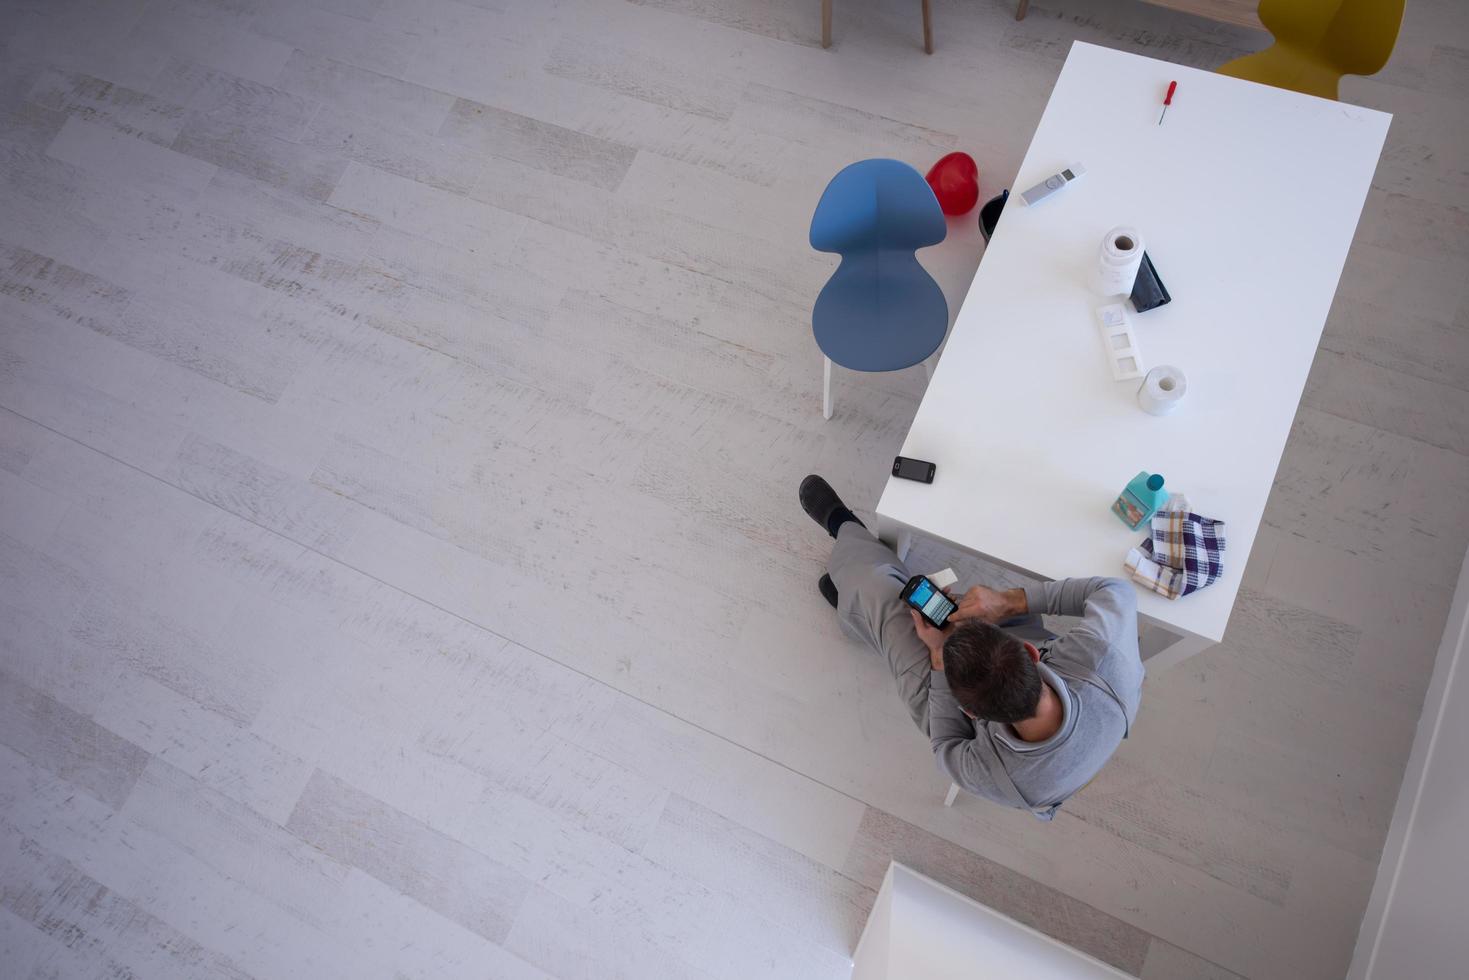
1121	255
1162	389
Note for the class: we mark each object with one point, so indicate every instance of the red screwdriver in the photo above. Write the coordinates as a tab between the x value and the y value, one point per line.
1167	101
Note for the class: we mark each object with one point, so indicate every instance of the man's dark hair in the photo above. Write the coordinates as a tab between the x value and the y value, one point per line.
991	673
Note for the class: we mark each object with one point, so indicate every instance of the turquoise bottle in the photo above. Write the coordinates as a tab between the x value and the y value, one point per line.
1140	499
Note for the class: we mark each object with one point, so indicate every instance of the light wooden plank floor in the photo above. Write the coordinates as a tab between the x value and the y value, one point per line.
401	408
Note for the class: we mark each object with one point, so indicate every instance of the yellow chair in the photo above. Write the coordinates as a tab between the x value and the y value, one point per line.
1319	41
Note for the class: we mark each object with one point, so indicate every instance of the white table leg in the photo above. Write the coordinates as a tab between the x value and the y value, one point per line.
900	539
953	794
826	390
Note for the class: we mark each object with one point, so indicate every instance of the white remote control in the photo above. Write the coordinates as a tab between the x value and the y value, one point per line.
1052	184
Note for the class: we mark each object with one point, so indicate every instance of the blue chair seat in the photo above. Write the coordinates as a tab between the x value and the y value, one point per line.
880	311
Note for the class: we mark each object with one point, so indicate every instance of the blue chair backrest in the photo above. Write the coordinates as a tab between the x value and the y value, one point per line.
877	205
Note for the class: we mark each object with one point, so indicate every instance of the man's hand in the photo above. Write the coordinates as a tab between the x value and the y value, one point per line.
932	638
991	606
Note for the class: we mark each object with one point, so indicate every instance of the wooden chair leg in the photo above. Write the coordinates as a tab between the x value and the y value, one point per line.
927	28
826	23
1021	8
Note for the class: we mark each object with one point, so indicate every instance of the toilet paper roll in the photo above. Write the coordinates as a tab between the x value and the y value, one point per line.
1162	390
1121	255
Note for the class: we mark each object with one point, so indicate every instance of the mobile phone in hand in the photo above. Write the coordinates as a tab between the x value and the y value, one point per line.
930	601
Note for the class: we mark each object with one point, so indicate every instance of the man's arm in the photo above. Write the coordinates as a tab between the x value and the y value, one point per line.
991	605
953	735
1107	607
950	730
1069	596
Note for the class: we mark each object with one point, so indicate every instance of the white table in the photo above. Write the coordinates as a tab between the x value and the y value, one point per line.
1247	198
920	928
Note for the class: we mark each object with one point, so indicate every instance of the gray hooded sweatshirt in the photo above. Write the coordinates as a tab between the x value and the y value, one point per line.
1093	722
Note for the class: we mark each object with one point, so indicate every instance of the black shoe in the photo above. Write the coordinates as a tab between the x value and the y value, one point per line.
821	502
828	589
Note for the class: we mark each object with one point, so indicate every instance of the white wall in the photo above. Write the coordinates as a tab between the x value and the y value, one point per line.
1417	920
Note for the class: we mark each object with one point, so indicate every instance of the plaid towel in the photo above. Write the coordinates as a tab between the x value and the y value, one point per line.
1184	554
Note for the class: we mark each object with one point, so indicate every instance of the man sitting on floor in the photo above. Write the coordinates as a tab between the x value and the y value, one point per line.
1022	724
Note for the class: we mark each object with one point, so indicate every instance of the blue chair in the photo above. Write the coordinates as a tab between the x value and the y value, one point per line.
880	311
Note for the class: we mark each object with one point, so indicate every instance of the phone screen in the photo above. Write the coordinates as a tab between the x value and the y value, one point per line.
931	602
912	469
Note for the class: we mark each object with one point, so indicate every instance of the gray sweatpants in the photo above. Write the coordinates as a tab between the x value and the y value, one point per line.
868	576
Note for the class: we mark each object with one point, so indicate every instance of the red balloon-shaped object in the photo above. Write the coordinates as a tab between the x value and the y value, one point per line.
955	182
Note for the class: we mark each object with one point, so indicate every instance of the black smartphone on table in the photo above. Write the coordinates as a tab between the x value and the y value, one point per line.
905	468
929	600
